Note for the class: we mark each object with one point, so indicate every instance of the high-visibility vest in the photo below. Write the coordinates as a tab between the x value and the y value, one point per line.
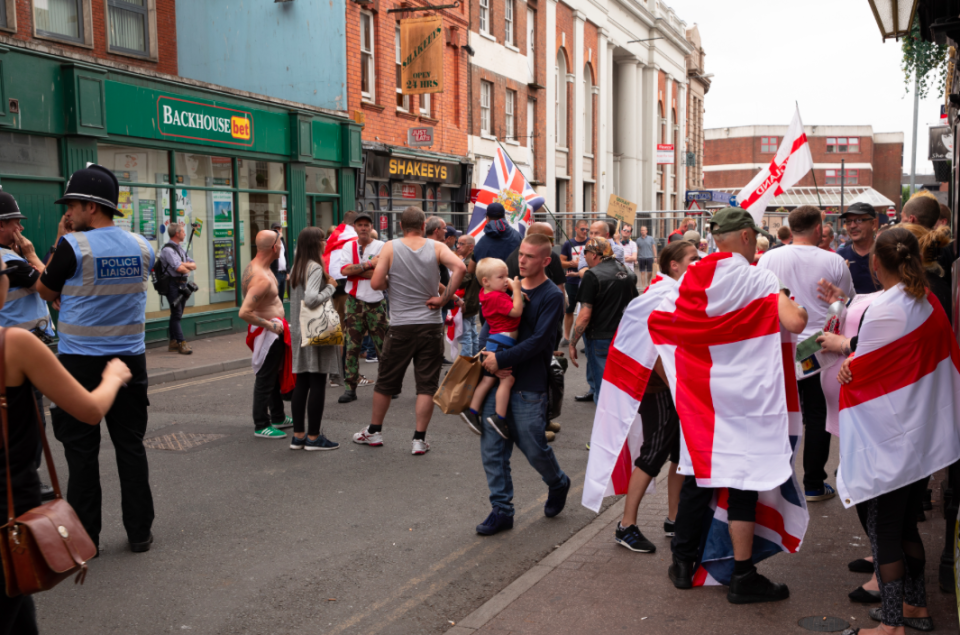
103	304
24	307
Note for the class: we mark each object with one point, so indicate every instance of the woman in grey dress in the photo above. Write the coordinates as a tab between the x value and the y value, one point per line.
310	285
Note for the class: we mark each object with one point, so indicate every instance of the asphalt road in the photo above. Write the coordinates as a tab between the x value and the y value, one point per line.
252	537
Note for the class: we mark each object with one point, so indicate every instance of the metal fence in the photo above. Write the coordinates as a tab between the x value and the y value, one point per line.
659	224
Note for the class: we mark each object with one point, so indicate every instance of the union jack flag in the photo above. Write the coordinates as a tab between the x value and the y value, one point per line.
505	184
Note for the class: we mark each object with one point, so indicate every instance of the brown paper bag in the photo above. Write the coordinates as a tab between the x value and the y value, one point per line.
456	389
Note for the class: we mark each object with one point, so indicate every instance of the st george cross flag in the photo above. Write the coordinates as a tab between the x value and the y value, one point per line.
453	329
505	184
617	430
899	414
792	162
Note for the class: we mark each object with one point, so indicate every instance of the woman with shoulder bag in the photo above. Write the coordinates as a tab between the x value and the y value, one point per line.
310	286
28	363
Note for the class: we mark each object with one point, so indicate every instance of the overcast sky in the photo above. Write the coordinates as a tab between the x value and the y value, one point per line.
825	54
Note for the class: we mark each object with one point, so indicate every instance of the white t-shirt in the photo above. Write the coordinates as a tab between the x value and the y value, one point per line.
630	249
800	268
350	254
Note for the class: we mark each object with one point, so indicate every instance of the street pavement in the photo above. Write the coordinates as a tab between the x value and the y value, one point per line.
252	537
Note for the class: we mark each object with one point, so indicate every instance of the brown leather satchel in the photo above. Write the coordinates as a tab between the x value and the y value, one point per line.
47	544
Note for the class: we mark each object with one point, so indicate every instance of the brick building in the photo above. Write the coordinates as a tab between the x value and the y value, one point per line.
871	163
395	174
699	87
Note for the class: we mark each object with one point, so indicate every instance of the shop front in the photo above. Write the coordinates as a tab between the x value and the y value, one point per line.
226	167
394	178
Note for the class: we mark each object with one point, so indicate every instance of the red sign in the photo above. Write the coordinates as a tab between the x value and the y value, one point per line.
409	191
383	222
474	192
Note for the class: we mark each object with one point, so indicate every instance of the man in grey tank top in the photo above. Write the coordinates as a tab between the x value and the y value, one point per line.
408	271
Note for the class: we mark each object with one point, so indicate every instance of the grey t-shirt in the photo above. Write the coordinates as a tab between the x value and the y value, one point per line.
645	246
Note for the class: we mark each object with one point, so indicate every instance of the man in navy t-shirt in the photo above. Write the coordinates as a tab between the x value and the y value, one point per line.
860	222
569	258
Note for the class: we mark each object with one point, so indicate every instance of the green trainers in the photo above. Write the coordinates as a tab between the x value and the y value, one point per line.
286	423
270	432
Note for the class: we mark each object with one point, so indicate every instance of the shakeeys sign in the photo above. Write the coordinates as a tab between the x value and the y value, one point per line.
380	167
421	54
188	119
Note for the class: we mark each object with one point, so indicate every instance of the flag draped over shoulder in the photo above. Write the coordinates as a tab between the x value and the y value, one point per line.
338	238
791	163
505	184
617	430
718	336
899	414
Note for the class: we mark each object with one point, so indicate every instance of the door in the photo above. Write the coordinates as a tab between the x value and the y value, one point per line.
36	202
324	213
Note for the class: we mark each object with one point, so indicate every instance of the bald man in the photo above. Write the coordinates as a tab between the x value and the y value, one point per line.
554	270
263	309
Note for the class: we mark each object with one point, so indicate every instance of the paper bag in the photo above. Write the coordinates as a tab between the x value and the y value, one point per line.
456	389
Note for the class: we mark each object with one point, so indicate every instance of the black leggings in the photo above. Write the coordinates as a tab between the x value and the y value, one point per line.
308	397
890	521
18	616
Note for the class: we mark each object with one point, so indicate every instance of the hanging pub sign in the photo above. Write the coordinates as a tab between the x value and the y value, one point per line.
421	52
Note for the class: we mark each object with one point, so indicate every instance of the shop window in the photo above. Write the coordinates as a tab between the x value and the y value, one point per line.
431	201
62	20
768	145
843	145
407	194
137	165
258	212
368	76
444	204
510	120
403	101
322	180
28	155
203	170
484	16
486	88
261	175
509	37
384	195
130	26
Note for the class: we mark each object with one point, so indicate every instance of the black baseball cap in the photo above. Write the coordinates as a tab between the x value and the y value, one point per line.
859	208
731	219
495	211
452	232
93	184
363	216
9	210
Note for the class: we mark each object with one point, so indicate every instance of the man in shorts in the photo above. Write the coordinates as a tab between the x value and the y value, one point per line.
411	265
646	254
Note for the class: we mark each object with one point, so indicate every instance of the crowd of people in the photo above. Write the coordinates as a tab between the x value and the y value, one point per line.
522	301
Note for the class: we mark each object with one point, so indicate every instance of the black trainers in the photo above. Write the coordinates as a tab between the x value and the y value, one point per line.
472	420
750	588
681	573
556	499
495	523
631	538
347	396
669	527
499	426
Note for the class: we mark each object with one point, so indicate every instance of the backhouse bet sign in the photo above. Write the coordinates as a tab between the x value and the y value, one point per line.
204	122
421	51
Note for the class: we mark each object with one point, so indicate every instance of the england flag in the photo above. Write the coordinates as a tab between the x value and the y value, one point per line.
505	184
900	414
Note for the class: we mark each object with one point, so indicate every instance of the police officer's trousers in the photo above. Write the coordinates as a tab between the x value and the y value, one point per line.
127	423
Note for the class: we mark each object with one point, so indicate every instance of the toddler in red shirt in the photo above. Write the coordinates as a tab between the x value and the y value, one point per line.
502	314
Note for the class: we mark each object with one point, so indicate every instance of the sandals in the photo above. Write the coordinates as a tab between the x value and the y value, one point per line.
924	624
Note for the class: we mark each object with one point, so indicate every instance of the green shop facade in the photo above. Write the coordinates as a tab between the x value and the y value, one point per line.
238	166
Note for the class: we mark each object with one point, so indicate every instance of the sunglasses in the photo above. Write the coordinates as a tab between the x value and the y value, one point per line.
857	221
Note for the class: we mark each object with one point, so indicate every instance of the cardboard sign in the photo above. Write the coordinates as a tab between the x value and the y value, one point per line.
421	53
622	209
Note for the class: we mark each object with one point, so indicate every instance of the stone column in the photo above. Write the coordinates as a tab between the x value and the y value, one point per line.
648	136
549	93
576	143
669	170
681	184
603	63
626	139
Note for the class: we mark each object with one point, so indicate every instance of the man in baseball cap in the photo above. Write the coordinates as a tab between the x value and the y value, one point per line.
731	219
451	237
860	221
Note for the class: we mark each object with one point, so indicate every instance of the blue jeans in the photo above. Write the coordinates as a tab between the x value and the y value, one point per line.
367	347
527	421
596	361
469	339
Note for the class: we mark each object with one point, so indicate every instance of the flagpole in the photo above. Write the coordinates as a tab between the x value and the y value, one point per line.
813	171
556	222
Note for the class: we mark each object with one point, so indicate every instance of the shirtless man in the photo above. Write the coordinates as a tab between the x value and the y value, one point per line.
262	308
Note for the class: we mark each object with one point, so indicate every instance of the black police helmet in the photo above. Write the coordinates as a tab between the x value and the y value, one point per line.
9	210
93	184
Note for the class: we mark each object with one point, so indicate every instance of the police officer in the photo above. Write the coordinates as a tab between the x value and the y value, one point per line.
99	273
24	307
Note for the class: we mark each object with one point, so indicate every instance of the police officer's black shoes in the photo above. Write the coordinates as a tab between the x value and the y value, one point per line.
140	547
752	587
681	574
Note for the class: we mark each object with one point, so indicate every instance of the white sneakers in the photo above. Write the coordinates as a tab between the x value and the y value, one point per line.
366	438
375	439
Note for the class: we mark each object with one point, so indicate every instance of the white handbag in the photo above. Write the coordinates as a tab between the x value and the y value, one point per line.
320	326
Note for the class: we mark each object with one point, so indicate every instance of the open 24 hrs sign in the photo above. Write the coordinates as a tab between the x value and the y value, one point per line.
421	53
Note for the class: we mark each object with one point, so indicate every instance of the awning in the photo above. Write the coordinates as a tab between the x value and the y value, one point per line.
829	197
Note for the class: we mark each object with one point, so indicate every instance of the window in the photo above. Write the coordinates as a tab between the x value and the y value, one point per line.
508	23
486	88
768	144
509	108
322	180
403	101
849	177
3	14
424	105
368	76
531	41
61	19
560	99
843	144
485	16
587	110
129	26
